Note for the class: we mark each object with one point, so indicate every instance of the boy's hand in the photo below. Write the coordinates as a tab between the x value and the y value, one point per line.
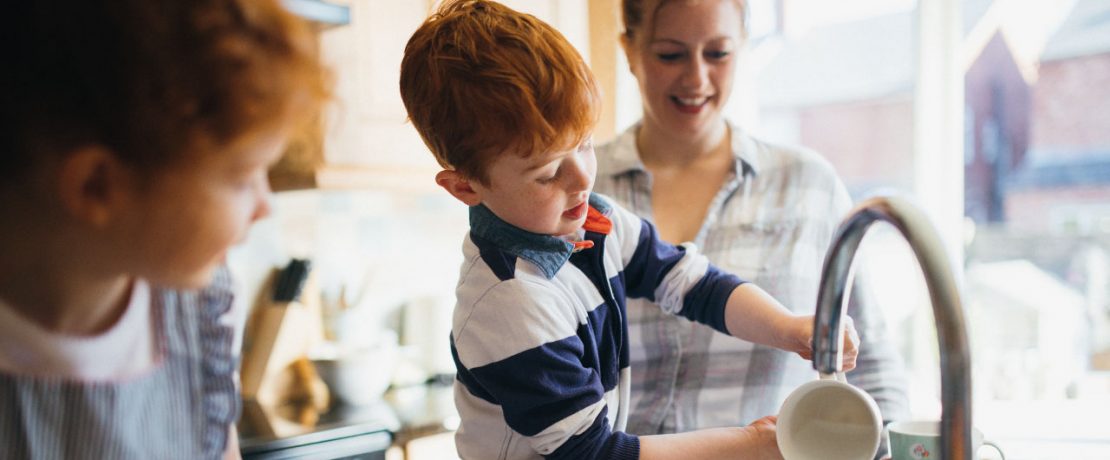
764	441
849	347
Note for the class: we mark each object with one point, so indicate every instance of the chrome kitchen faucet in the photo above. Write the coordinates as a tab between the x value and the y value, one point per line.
955	359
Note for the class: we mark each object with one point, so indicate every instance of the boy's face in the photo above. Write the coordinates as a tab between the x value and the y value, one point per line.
190	215
542	193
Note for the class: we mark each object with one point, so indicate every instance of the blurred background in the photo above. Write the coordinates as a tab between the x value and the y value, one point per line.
992	115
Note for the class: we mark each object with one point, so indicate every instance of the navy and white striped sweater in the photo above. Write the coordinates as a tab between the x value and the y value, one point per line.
539	335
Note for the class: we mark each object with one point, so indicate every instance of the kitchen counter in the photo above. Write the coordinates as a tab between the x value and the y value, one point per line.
300	431
401	418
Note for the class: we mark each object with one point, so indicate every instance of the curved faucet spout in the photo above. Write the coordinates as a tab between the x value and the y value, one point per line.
955	360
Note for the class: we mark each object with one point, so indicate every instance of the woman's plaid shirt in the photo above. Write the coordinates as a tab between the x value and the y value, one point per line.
771	223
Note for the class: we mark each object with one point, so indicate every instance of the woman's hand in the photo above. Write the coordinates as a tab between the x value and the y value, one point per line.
849	347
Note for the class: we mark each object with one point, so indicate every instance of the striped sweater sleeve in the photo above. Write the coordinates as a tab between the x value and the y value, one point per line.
678	278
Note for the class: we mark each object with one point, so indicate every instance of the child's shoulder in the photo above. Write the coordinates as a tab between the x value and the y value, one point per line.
614	211
625	226
602	203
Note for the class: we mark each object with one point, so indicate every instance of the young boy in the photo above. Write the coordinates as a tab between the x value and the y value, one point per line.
539	336
135	136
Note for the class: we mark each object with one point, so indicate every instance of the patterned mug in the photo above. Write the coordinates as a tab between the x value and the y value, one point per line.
920	440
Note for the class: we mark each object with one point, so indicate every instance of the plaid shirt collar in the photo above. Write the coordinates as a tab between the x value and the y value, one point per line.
625	158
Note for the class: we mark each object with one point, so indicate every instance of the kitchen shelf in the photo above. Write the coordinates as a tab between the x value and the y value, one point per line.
320	12
412	179
395	177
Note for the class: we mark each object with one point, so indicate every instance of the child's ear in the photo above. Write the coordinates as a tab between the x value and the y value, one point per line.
93	183
459	187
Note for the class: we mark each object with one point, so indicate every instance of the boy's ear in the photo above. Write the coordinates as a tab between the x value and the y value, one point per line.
459	187
92	184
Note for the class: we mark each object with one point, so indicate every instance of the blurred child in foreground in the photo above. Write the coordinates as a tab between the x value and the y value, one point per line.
135	136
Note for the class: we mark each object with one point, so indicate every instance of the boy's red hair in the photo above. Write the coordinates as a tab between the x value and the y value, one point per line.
479	79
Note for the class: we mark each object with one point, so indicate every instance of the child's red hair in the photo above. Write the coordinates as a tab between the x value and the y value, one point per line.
152	80
479	79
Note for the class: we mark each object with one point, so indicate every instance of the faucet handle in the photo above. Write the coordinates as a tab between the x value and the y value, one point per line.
838	376
828	341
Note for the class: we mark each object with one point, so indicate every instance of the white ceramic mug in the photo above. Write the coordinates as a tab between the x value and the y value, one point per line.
829	419
918	440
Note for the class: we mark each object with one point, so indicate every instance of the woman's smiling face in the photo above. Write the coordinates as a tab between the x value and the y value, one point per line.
685	63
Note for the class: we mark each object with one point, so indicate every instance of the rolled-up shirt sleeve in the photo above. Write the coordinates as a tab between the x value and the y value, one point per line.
677	278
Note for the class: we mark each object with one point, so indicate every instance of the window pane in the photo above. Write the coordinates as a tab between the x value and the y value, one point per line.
839	77
1037	188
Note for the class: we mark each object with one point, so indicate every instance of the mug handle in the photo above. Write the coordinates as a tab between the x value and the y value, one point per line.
995	446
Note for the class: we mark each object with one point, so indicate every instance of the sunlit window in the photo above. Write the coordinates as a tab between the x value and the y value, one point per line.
839	77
